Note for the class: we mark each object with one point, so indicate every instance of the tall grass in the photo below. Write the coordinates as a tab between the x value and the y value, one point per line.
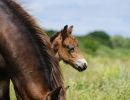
105	79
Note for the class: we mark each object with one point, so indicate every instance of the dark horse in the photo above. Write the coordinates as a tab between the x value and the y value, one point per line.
26	59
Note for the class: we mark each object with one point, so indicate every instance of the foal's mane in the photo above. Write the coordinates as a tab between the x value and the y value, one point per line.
42	41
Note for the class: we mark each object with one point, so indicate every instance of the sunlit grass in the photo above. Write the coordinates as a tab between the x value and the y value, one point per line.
105	79
12	92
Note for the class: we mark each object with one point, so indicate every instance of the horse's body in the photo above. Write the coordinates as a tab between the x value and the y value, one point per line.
29	64
61	52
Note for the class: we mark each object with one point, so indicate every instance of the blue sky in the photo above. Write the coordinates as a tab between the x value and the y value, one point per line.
112	16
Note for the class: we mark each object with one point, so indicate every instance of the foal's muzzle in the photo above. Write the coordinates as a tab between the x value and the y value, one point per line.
82	68
81	65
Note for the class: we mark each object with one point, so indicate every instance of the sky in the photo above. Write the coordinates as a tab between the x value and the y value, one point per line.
111	16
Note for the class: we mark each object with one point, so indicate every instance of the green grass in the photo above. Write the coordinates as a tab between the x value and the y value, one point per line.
12	93
105	79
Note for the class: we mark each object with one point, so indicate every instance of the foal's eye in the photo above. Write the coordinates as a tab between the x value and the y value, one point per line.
70	49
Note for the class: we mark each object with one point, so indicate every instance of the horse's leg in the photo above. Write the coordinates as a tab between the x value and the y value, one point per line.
4	81
4	89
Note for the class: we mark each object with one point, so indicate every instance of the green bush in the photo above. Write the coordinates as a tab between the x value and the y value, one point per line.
101	37
91	44
88	44
50	32
120	42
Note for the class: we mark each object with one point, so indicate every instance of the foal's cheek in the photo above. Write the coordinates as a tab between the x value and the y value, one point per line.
63	53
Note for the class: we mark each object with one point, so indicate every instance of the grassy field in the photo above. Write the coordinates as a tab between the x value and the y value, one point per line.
107	78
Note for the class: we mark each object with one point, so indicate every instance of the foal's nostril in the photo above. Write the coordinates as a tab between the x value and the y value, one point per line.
79	68
85	66
82	68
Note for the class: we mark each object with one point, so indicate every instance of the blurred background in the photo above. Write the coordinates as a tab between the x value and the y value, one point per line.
111	16
102	28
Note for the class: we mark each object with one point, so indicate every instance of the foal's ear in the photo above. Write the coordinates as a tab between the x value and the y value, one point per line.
64	32
70	30
54	95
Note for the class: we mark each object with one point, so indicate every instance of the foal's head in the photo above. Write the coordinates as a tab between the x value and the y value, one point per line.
66	48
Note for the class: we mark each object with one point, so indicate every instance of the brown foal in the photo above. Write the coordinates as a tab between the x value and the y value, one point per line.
66	48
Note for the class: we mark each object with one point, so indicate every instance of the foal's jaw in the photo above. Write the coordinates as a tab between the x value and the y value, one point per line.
81	65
